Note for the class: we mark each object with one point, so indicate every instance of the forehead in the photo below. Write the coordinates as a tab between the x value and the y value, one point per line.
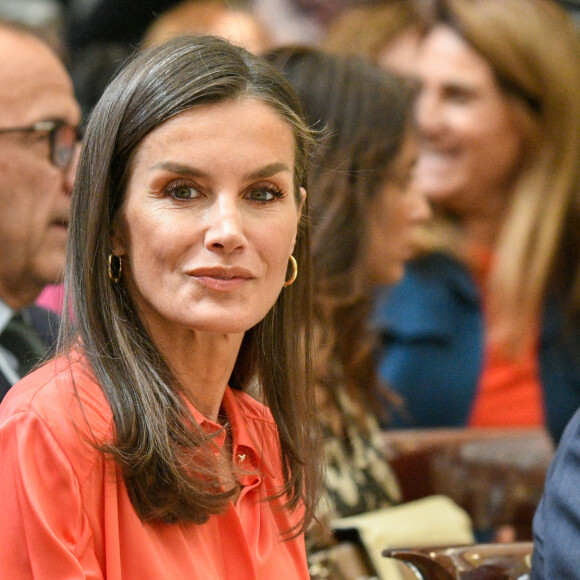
34	84
400	54
223	125
445	56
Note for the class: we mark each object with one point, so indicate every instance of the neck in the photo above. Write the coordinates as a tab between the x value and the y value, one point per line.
483	225
481	232
203	364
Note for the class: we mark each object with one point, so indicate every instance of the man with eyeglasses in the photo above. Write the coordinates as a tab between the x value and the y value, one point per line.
38	152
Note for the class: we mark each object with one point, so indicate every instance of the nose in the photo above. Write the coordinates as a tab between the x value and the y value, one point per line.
225	230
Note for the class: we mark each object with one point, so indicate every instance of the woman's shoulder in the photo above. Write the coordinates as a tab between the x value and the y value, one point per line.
65	398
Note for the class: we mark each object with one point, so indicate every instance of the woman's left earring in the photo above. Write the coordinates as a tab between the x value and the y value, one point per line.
115	268
292	278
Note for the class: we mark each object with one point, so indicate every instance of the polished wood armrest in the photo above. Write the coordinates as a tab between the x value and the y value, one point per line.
475	562
496	475
403	441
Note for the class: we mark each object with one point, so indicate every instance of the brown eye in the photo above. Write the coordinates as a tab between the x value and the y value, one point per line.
458	94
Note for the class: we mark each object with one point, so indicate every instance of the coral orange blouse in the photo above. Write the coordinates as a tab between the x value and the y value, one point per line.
65	511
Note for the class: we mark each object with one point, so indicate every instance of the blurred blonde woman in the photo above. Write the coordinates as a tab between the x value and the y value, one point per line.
483	331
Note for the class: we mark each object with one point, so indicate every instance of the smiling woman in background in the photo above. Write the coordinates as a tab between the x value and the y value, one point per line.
484	329
137	453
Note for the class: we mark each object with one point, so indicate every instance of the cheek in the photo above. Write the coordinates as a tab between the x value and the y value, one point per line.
490	125
498	153
379	237
471	126
149	244
405	207
28	190
510	137
276	244
150	270
279	256
392	221
385	213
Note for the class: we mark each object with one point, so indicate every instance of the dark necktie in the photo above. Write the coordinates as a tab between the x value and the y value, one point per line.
20	338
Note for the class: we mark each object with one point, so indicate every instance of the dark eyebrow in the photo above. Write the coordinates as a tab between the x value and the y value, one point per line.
262	173
178	168
268	171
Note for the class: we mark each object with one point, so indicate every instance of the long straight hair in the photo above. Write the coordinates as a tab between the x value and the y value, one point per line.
155	436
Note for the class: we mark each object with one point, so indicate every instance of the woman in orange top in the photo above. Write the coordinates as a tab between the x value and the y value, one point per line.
138	452
484	328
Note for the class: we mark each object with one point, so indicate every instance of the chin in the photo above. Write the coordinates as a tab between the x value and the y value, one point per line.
395	278
391	276
221	326
50	277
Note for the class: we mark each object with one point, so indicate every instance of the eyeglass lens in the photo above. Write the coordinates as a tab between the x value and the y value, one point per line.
63	142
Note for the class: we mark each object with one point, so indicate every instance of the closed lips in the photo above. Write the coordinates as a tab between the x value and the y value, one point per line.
220	273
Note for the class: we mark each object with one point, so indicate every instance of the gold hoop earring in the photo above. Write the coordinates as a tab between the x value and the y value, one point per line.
115	277
292	278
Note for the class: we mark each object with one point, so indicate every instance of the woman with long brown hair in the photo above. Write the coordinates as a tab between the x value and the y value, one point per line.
138	453
364	211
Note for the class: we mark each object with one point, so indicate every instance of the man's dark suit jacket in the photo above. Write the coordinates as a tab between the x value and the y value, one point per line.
46	324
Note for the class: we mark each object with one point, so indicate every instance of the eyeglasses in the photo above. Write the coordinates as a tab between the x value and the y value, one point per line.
63	139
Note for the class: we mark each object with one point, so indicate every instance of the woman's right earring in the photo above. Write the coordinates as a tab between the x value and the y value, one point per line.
292	278
115	269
